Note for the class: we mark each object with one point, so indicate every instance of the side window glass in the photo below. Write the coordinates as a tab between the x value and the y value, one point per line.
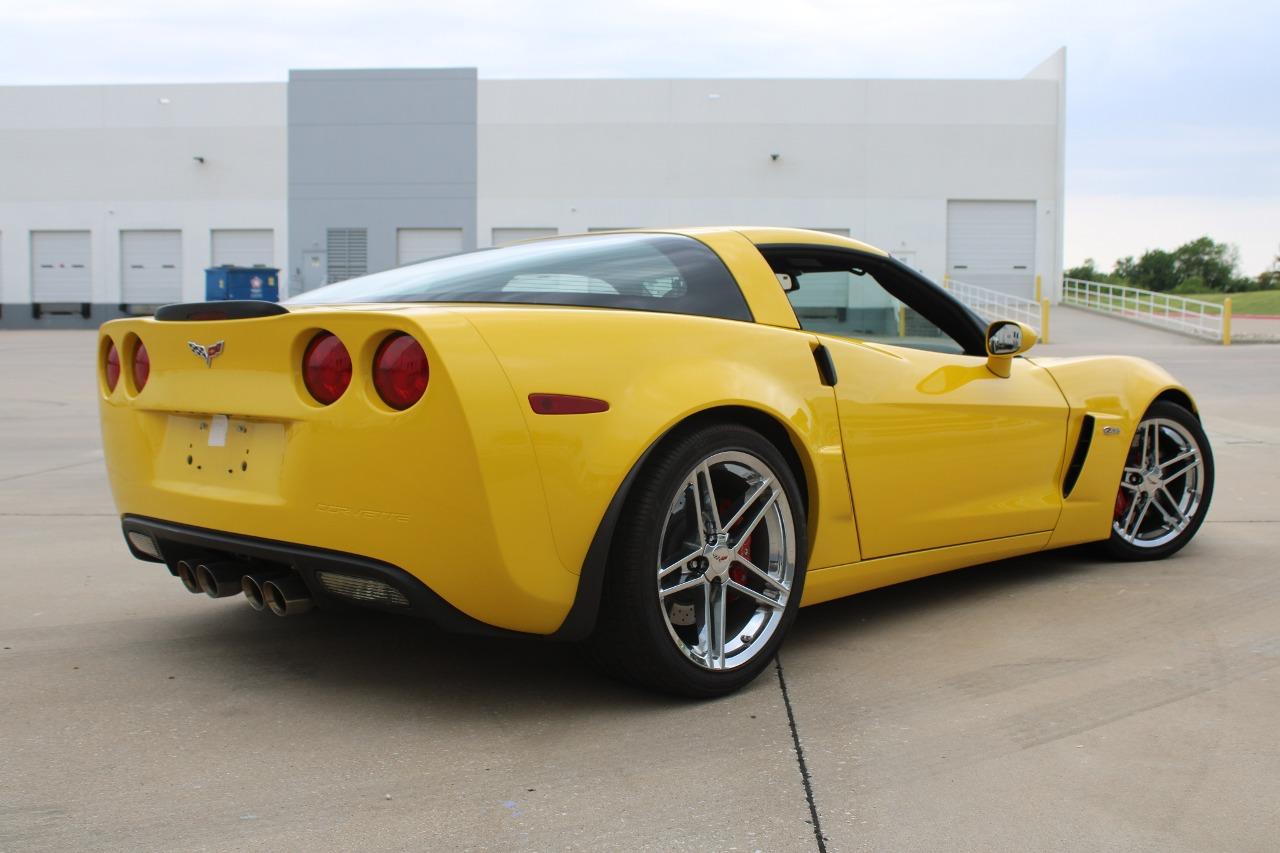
855	305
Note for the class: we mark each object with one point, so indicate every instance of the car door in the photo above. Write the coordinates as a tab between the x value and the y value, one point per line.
940	450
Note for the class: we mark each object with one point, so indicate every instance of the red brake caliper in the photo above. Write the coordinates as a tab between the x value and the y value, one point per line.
1122	504
737	574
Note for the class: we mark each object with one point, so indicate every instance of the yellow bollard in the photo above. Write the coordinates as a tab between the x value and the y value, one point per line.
1044	319
902	321
1038	297
1226	322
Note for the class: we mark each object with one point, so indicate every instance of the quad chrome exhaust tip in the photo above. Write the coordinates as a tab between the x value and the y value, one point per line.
286	595
186	572
251	586
219	580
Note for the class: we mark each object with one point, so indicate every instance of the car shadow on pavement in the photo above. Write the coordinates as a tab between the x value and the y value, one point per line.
843	618
401	661
395	663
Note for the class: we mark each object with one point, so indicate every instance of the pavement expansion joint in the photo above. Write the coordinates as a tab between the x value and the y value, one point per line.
804	769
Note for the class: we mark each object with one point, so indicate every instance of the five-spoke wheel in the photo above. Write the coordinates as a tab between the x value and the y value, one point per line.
726	560
707	566
1165	487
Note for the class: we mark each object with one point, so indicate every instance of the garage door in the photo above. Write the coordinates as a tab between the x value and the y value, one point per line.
506	236
60	270
150	267
243	247
993	244
420	244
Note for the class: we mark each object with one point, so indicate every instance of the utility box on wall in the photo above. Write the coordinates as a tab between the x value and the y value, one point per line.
242	283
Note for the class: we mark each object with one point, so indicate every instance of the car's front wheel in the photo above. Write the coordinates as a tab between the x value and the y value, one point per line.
707	566
1165	487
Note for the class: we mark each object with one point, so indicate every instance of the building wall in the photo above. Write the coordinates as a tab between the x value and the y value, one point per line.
380	150
437	149
113	158
880	158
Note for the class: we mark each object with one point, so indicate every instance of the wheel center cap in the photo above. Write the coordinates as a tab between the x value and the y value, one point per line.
719	556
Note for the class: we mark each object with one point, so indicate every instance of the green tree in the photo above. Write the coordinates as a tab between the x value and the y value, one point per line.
1088	271
1155	270
1198	266
1213	263
1270	279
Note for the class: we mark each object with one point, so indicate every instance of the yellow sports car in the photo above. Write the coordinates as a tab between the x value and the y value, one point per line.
663	442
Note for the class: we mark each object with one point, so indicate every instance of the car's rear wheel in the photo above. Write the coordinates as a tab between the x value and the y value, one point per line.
707	566
1165	487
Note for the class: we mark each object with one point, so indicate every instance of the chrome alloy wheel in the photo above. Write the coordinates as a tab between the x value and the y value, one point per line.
726	560
1162	485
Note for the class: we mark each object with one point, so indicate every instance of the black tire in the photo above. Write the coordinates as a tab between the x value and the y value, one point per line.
1174	418
635	638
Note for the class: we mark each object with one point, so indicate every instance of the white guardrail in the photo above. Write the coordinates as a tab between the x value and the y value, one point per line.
993	305
1175	313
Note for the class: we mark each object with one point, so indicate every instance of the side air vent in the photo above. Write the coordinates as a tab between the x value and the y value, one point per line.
1078	457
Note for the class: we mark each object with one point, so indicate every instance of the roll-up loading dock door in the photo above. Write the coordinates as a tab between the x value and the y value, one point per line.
992	244
150	267
243	247
420	244
61	269
507	236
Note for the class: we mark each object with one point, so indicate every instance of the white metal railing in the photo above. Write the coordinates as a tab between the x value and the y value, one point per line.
997	305
1176	313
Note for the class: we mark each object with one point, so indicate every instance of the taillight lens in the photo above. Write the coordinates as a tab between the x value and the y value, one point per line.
400	371
141	366
112	368
326	367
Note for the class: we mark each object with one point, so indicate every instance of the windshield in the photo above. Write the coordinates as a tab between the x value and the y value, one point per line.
668	273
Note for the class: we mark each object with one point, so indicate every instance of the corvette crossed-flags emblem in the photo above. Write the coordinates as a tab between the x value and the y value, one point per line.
208	353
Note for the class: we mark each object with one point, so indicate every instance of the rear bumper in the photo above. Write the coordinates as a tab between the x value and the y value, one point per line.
176	541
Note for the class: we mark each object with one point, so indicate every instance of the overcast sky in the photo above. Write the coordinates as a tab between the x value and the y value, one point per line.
1173	108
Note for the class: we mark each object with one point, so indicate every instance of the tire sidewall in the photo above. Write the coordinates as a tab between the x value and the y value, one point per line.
650	509
1121	549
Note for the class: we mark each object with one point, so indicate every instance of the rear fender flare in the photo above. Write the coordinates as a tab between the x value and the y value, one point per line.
581	619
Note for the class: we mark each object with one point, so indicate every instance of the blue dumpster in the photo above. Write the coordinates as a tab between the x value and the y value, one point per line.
230	282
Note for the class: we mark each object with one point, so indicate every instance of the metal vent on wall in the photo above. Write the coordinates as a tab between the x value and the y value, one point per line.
347	253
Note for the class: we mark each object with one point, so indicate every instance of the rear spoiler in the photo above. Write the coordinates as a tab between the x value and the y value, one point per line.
231	309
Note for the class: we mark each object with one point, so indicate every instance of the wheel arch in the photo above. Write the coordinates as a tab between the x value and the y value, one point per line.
1179	397
581	620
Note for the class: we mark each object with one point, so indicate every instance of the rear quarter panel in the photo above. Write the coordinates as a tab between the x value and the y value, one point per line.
655	370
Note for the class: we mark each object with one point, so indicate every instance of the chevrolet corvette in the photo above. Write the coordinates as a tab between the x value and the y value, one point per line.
662	443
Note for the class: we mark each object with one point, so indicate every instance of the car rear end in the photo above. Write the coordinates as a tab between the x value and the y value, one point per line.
241	443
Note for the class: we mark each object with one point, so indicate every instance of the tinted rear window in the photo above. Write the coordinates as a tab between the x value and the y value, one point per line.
647	272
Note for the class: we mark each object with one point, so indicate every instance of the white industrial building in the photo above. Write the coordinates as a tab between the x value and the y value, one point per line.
116	198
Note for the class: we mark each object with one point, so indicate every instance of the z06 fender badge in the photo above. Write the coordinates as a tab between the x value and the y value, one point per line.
208	353
1110	430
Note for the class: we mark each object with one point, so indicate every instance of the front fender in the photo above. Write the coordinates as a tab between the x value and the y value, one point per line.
1116	391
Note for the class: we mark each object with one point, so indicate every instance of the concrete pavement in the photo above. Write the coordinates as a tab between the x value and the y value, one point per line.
1046	703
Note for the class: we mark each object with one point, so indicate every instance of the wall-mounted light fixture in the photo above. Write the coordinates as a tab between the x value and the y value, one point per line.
774	157
198	159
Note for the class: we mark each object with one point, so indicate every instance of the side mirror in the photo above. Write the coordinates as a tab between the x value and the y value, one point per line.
1006	339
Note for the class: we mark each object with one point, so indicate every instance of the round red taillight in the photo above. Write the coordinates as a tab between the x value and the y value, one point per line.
400	371
326	368
141	366
112	367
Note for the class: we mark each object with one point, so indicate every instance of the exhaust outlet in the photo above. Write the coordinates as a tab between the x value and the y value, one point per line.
186	572
251	586
287	595
220	580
